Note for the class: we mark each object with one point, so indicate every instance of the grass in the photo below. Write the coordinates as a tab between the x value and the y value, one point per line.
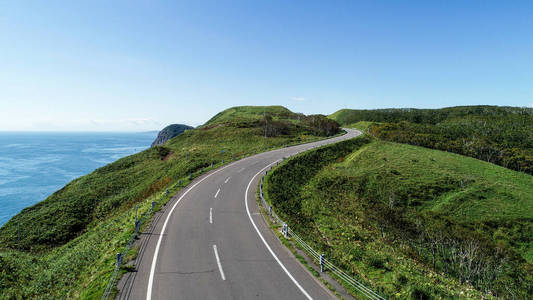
496	134
361	125
380	210
292	247
69	240
464	188
248	113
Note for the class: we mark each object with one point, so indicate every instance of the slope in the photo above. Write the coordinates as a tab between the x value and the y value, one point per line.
499	135
414	222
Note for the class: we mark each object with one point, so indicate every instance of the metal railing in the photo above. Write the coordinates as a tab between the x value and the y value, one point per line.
325	264
138	223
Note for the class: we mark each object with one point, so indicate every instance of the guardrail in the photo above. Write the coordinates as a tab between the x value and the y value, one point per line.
325	264
121	255
139	221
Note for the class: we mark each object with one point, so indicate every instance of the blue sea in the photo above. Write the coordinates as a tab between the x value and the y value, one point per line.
34	165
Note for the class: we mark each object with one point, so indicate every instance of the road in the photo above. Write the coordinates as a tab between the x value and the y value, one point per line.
211	242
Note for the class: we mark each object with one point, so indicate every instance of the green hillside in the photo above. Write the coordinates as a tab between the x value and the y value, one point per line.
412	222
425	116
251	113
69	240
499	135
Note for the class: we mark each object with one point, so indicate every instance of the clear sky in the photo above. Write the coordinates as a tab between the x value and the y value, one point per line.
140	65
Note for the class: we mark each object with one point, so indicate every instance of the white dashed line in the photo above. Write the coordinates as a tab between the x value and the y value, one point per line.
218	263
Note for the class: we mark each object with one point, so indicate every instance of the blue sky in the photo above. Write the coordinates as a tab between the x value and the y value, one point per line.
140	65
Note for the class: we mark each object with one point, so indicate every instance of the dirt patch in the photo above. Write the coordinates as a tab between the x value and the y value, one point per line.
211	126
168	156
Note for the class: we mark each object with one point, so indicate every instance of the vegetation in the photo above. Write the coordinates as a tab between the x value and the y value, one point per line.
499	135
68	241
363	126
279	121
412	222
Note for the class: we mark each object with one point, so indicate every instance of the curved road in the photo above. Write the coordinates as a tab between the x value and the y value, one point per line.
216	245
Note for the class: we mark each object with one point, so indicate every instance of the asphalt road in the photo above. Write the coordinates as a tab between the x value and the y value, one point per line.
211	242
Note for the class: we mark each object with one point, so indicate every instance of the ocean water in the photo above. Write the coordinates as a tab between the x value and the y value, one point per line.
34	165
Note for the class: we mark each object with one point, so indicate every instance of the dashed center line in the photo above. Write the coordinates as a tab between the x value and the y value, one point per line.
218	191
218	263
227	179
211	215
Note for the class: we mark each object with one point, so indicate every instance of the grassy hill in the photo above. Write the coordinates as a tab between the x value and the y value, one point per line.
425	116
68	241
499	135
412	222
251	113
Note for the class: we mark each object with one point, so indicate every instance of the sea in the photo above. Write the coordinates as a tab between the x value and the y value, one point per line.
35	165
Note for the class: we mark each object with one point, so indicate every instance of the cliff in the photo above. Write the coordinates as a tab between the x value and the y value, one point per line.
169	132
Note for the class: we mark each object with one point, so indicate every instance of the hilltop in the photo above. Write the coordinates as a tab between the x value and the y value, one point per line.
251	113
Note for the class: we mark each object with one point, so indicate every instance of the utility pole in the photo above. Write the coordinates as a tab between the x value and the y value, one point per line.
265	116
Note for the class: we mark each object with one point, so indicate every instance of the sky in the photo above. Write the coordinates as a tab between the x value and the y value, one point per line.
141	65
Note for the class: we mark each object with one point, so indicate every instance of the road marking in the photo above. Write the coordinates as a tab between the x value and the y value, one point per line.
158	245
211	215
240	170
218	263
263	239
227	179
156	252
218	191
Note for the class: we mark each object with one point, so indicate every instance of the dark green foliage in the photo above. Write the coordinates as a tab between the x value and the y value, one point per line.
499	135
505	141
426	116
322	125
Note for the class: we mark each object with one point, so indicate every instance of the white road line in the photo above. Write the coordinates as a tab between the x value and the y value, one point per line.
227	179
156	252
158	245
240	170
211	215
218	191
218	263
263	239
